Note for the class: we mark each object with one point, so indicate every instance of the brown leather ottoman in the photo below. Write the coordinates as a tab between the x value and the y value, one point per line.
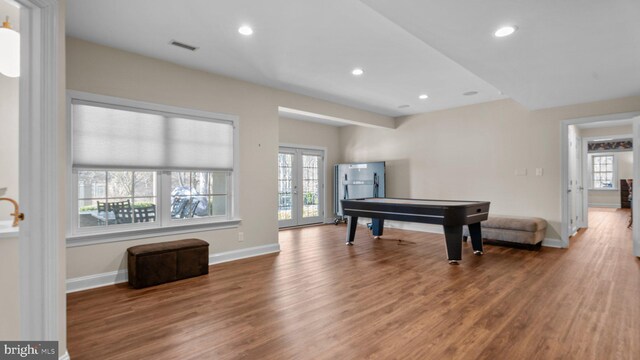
158	263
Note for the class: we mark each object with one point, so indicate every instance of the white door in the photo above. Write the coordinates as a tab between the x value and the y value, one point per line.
580	206
287	185
300	186
572	181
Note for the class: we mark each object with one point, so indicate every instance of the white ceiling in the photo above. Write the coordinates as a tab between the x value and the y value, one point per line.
406	47
565	51
304	46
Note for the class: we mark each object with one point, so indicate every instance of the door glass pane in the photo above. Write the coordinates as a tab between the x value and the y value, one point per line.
310	185
285	185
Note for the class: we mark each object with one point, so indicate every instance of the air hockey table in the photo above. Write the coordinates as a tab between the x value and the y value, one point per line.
451	214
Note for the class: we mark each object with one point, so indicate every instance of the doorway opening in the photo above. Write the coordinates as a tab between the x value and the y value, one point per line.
300	186
602	175
598	172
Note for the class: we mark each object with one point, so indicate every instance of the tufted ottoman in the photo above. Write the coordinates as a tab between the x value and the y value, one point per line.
515	231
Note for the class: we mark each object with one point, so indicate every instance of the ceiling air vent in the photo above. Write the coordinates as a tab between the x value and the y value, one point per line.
183	45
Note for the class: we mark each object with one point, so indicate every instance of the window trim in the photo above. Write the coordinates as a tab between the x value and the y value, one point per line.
79	237
614	177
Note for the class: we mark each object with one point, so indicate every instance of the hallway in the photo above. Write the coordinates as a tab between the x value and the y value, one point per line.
607	227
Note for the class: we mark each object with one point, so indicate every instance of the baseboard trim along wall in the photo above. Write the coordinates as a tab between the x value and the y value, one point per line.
402	225
243	253
604	205
554	243
437	229
120	276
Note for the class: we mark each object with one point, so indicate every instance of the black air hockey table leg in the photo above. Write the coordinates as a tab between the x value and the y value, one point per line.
453	238
476	238
352	225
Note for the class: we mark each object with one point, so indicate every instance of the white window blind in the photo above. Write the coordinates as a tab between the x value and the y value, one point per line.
106	136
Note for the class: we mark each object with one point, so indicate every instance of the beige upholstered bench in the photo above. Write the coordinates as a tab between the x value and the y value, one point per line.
524	232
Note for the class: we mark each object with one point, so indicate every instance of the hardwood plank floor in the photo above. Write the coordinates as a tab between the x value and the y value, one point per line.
381	299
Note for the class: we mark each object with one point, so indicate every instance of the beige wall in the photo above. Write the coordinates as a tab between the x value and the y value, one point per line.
9	249
107	71
473	152
303	133
607	131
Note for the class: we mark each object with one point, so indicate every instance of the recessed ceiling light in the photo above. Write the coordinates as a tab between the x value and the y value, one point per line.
245	30
403	106
505	31
357	71
423	96
470	93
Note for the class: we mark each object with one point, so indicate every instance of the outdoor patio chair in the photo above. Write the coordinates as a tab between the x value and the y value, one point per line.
123	211
144	214
190	209
177	206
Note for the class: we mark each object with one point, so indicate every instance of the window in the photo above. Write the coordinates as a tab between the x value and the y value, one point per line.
602	172
199	194
116	197
140	166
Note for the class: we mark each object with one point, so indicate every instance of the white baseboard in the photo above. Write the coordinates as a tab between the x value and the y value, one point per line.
604	205
554	243
120	276
428	228
96	280
574	231
438	229
402	225
65	356
243	253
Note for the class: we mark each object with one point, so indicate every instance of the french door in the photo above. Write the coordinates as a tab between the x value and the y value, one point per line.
300	186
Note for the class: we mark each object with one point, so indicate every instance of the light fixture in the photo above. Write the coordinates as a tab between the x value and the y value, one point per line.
423	96
505	31
9	50
357	71
470	93
245	30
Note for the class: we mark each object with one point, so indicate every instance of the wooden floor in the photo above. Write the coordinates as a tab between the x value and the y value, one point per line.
381	299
